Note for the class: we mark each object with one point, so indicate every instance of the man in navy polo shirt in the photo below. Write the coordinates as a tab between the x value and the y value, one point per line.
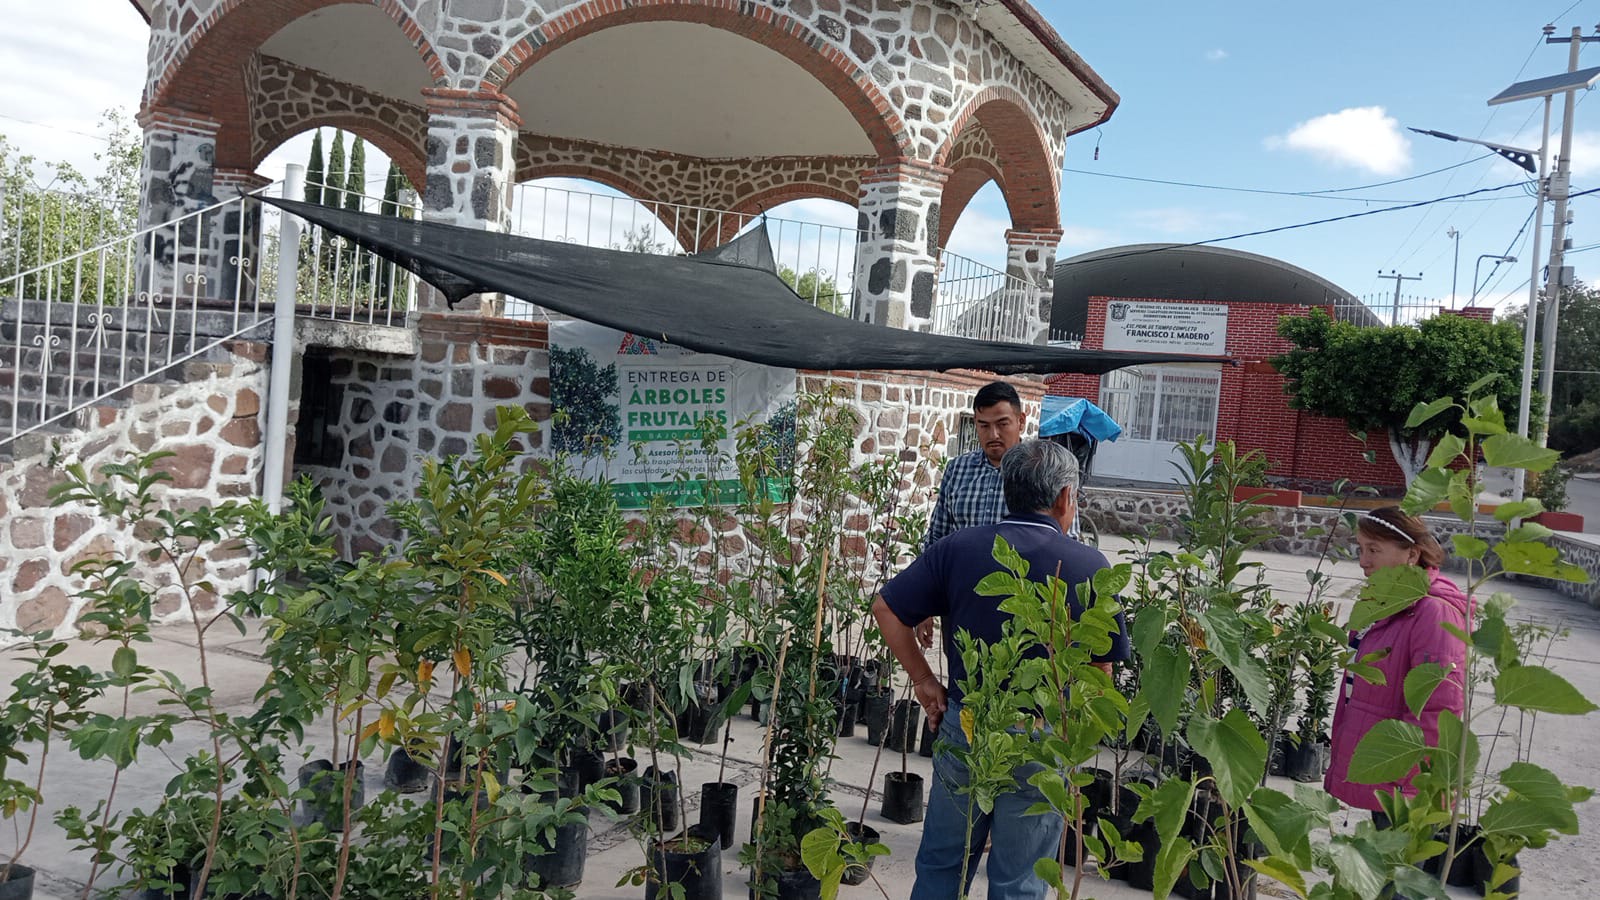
1041	477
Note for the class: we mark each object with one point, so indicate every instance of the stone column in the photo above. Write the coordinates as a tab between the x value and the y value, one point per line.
1031	269
898	214
176	178
236	236
471	169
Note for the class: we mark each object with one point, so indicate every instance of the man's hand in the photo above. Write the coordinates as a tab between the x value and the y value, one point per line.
924	632
931	694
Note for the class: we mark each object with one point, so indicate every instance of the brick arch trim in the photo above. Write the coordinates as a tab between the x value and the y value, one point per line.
395	144
774	30
206	73
761	201
967	177
1028	176
681	230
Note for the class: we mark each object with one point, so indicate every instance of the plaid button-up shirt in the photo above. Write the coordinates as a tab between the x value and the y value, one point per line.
970	494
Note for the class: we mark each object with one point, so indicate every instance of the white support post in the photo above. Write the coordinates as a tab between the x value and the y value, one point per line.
277	433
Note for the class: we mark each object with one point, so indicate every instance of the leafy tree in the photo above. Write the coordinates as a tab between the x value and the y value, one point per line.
1575	390
1373	377
586	423
355	183
315	172
332	193
49	210
816	287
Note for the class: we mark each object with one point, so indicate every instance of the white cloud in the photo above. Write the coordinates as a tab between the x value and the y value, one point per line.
1216	55
1361	137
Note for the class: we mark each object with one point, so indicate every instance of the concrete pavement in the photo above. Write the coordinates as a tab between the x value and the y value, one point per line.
1568	868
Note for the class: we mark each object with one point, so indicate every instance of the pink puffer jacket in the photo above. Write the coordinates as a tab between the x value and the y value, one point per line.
1412	637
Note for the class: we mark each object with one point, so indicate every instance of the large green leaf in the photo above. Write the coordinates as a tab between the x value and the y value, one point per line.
1286	872
1171	861
1230	640
1463	499
1469	547
1537	689
1168	805
1422	412
1283	825
1513	451
1236	751
1457	750
1427	490
1445	451
1149	629
1358	866
1543	560
1388	752
1387	592
1162	685
1420	684
1530	819
1518	509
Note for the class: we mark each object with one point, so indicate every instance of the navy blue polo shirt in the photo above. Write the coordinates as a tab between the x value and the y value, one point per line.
943	582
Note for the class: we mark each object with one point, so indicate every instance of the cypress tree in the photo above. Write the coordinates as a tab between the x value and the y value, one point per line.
391	192
334	195
355	184
314	169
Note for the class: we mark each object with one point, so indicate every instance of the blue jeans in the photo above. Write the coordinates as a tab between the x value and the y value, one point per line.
1018	838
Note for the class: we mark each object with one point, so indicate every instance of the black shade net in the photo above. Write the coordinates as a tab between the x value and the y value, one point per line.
729	300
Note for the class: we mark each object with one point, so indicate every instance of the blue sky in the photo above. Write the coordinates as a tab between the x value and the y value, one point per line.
1279	96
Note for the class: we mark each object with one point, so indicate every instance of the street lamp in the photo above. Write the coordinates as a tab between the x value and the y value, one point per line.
1498	259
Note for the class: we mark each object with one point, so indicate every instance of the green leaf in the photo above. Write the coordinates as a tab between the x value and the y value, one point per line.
1162	685
1537	689
1543	560
1445	451
1171	861
1358	866
819	850
1282	870
1427	490
1420	684
124	661
1283	825
1388	752
1230	639
1457	748
1518	509
1469	547
1236	751
1463	500
1168	805
1388	591
1486	403
1422	412
1516	452
1049	871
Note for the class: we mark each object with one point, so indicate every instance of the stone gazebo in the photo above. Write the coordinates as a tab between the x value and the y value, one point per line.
904	108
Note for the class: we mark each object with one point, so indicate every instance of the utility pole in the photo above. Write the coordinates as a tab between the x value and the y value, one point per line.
1394	319
1455	269
1560	187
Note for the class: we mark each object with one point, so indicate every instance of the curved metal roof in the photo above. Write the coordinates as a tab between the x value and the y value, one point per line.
1181	272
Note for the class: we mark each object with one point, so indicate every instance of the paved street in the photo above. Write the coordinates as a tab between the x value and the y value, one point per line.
1568	869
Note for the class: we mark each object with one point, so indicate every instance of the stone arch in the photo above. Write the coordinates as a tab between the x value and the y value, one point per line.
1027	169
206	72
967	177
775	30
395	144
682	230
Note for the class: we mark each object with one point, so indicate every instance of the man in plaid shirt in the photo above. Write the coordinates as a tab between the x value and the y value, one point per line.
970	492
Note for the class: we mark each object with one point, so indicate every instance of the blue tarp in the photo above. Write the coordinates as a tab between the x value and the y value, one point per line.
1064	415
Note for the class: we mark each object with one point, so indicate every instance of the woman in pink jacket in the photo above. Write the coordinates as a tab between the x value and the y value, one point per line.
1416	635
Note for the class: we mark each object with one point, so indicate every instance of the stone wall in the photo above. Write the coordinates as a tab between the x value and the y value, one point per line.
1136	512
210	421
396	410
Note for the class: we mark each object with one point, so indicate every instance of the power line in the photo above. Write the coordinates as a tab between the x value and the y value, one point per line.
1314	195
1280	228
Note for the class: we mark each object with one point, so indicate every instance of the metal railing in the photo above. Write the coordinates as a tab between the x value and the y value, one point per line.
817	259
973	300
337	279
39	226
82	328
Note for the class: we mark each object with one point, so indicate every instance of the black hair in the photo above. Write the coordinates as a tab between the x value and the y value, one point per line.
996	392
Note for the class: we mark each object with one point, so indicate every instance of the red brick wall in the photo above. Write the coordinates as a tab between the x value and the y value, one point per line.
1253	410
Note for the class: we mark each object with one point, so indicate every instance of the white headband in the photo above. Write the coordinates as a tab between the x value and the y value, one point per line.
1391	526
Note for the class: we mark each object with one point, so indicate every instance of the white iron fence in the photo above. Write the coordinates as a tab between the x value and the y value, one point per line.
973	300
818	260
